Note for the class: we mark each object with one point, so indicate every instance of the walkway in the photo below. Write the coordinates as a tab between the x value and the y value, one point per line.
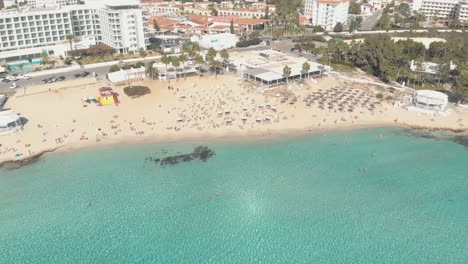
346	78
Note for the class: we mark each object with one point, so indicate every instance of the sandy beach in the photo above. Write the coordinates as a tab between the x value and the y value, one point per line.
199	108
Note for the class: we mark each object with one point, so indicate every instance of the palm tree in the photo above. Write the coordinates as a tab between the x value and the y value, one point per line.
143	53
306	68
150	70
70	39
176	63
183	59
45	59
199	60
166	61
286	72
211	55
225	56
186	48
216	64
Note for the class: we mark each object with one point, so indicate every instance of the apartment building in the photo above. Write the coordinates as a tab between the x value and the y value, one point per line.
123	26
119	25
462	11
326	13
20	30
50	3
438	8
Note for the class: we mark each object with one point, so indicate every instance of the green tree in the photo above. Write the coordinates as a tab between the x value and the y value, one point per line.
156	26
150	71
267	13
224	55
404	9
176	63
306	68
199	61
216	65
384	22
354	8
231	27
183	59
211	54
166	61
114	68
286	73
143	53
70	39
338	27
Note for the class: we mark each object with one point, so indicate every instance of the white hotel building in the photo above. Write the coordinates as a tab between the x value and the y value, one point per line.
326	13
30	32
50	3
445	9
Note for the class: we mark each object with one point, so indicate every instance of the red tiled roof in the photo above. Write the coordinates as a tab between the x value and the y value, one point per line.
162	21
332	1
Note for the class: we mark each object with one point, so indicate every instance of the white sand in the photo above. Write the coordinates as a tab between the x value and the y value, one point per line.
57	118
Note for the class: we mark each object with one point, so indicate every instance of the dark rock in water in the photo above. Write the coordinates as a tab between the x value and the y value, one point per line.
438	134
16	164
199	153
462	140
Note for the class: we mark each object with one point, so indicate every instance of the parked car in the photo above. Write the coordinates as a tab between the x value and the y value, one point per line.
85	74
25	77
61	78
14	86
77	76
12	78
6	80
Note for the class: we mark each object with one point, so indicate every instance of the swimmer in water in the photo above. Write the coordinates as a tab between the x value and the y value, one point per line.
88	204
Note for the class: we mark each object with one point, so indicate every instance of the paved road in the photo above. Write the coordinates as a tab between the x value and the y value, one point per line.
370	22
101	71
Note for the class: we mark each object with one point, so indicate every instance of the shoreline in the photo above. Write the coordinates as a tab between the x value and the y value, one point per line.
222	108
256	136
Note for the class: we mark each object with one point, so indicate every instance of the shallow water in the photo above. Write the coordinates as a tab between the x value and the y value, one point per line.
365	196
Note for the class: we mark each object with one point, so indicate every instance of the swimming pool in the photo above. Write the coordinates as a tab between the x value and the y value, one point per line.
33	62
26	66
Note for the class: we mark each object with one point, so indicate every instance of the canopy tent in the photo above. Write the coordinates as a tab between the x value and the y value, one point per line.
9	122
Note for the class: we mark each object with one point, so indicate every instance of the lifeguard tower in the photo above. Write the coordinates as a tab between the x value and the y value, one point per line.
107	96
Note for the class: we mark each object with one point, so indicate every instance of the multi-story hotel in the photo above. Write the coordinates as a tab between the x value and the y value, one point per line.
462	12
445	9
28	32
50	3
326	13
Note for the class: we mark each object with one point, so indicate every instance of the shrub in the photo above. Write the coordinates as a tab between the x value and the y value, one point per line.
114	68
389	98
247	43
379	96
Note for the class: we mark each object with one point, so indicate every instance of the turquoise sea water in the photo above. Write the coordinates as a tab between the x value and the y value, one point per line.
347	197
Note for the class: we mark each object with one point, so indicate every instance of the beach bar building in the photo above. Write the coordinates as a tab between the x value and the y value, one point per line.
9	122
430	100
266	67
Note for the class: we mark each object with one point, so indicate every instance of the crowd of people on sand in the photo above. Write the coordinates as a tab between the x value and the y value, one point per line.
220	106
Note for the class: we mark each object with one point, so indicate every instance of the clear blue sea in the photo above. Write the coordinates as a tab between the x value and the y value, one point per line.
347	197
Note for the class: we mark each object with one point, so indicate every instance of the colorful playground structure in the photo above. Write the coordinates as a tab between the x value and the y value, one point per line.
107	96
